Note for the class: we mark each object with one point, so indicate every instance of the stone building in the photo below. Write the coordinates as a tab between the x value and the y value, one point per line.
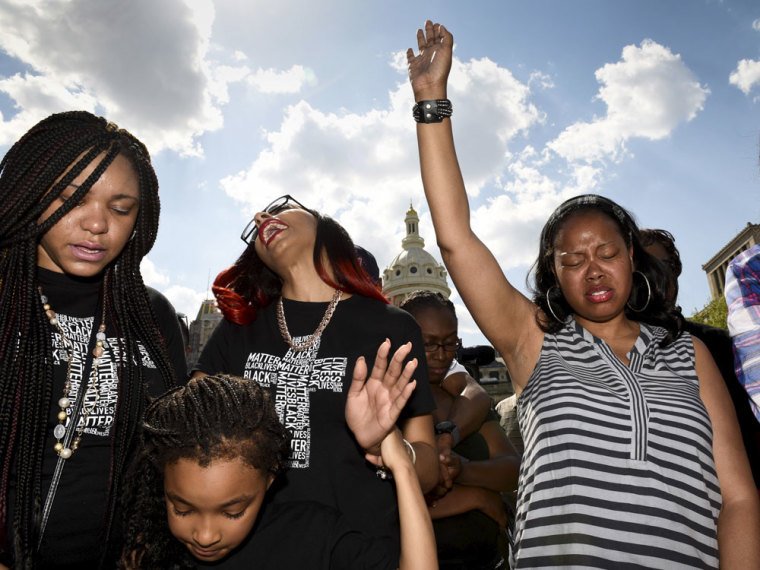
718	264
413	268
201	328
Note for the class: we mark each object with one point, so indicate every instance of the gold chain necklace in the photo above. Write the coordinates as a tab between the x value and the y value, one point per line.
92	386
316	334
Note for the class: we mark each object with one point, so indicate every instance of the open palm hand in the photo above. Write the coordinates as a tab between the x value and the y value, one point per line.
373	404
429	69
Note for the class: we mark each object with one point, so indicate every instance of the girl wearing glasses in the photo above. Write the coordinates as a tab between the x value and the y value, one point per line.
83	342
633	456
300	313
466	506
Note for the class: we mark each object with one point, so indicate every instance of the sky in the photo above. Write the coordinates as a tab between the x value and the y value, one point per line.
654	104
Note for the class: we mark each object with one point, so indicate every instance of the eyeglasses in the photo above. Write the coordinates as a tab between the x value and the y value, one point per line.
275	207
447	347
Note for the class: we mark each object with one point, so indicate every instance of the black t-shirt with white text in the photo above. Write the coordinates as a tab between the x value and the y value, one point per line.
309	391
73	533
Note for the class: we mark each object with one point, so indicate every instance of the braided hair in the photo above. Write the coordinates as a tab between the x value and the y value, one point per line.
213	417
549	297
422	299
33	174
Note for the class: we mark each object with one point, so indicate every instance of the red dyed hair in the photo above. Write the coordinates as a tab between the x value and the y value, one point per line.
248	285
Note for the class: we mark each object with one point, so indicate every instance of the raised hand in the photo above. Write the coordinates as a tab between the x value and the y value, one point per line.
429	69
373	405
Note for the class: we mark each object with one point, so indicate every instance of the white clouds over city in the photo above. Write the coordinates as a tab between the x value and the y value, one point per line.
242	102
364	167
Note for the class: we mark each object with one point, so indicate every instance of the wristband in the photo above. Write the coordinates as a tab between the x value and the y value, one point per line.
410	452
431	111
447	426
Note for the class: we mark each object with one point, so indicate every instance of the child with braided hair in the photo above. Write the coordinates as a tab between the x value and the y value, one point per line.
197	492
83	342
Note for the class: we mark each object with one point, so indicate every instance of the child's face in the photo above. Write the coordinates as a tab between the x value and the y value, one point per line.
212	509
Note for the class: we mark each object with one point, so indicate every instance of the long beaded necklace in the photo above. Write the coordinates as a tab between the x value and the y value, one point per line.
298	347
92	386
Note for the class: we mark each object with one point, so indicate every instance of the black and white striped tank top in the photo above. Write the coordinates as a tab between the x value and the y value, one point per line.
618	470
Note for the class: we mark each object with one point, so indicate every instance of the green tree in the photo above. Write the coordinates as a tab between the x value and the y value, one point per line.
714	313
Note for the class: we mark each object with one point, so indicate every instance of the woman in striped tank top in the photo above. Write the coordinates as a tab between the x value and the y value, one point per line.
633	455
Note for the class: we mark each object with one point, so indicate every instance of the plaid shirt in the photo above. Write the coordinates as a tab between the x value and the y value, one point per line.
743	299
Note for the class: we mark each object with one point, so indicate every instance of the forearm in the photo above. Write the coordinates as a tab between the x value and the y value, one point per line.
469	410
497	474
418	430
426	465
458	500
418	549
443	184
739	535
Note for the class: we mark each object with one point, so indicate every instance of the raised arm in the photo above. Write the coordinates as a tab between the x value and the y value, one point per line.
418	550
374	404
504	315
739	520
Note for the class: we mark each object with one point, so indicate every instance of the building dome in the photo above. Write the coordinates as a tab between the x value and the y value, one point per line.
413	268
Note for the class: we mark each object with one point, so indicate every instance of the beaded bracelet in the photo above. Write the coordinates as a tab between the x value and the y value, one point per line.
431	111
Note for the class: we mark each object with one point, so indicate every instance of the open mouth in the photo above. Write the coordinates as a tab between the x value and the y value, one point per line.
599	295
270	229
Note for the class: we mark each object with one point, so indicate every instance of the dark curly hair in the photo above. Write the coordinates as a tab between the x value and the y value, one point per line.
657	311
33	174
424	299
213	417
664	238
247	286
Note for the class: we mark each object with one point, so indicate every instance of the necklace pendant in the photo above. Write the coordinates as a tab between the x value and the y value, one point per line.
67	354
283	325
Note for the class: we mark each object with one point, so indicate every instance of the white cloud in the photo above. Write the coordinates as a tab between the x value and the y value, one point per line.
288	81
185	299
222	77
756	25
540	79
151	275
362	167
746	75
150	71
141	68
647	93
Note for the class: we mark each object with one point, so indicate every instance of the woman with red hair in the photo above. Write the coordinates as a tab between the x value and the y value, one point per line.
299	312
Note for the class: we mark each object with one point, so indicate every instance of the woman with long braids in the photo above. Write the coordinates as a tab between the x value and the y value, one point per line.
208	455
633	456
83	342
299	313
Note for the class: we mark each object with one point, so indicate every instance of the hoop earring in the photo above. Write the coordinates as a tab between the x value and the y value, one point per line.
549	304
649	294
134	233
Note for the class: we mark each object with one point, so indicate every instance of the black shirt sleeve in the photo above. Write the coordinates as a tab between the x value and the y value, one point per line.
214	356
168	325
